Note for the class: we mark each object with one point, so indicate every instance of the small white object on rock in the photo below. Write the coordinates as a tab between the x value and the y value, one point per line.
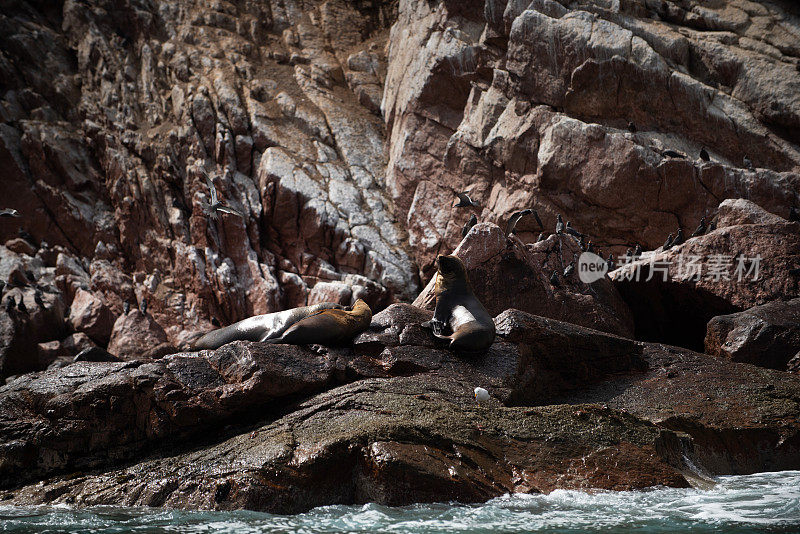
481	395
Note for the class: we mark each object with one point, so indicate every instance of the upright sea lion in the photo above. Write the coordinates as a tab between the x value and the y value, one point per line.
328	327
459	310
261	327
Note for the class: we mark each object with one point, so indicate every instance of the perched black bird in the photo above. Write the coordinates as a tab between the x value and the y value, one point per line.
590	247
747	163
673	154
37	297
2	287
712	226
572	231
559	224
794	215
30	277
21	306
538	219
10	304
701	228
515	218
704	154
541	237
464	200
610	262
679	239
215	322
554	280
631	127
582	244
143	307
570	269
628	253
637	251
473	220
668	243
126	307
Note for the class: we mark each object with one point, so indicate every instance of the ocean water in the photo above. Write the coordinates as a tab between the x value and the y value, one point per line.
765	502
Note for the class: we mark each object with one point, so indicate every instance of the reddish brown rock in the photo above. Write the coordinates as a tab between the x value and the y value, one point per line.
767	335
136	334
528	104
392	442
89	414
90	315
504	274
676	310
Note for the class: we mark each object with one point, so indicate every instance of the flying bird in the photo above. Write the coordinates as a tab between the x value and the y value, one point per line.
515	217
464	200
216	204
9	212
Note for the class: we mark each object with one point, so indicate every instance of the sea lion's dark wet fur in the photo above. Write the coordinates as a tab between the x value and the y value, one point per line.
328	327
458	310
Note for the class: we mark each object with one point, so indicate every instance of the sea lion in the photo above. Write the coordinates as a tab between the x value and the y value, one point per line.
261	327
459	310
328	327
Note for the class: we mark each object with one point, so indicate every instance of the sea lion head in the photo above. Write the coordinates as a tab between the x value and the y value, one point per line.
362	310
450	267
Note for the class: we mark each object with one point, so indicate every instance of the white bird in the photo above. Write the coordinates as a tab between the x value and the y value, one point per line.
216	205
481	395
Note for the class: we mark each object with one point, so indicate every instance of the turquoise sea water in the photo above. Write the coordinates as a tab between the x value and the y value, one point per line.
765	502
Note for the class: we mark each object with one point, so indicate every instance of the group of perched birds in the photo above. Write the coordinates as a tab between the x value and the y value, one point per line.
674	239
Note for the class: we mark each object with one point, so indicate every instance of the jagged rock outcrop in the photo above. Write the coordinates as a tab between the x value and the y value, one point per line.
533	102
767	335
106	107
725	271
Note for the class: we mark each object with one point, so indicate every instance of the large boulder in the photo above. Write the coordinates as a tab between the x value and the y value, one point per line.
136	335
767	335
505	273
90	315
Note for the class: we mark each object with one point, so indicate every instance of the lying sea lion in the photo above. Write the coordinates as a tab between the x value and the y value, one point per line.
261	327
458	310
328	327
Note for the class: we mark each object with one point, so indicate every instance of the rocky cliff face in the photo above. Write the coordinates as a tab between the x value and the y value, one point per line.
105	107
341	131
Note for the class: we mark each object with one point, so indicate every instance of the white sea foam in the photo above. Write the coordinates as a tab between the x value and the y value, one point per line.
765	502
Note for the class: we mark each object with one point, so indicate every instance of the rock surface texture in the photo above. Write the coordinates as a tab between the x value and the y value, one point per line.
342	131
768	335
